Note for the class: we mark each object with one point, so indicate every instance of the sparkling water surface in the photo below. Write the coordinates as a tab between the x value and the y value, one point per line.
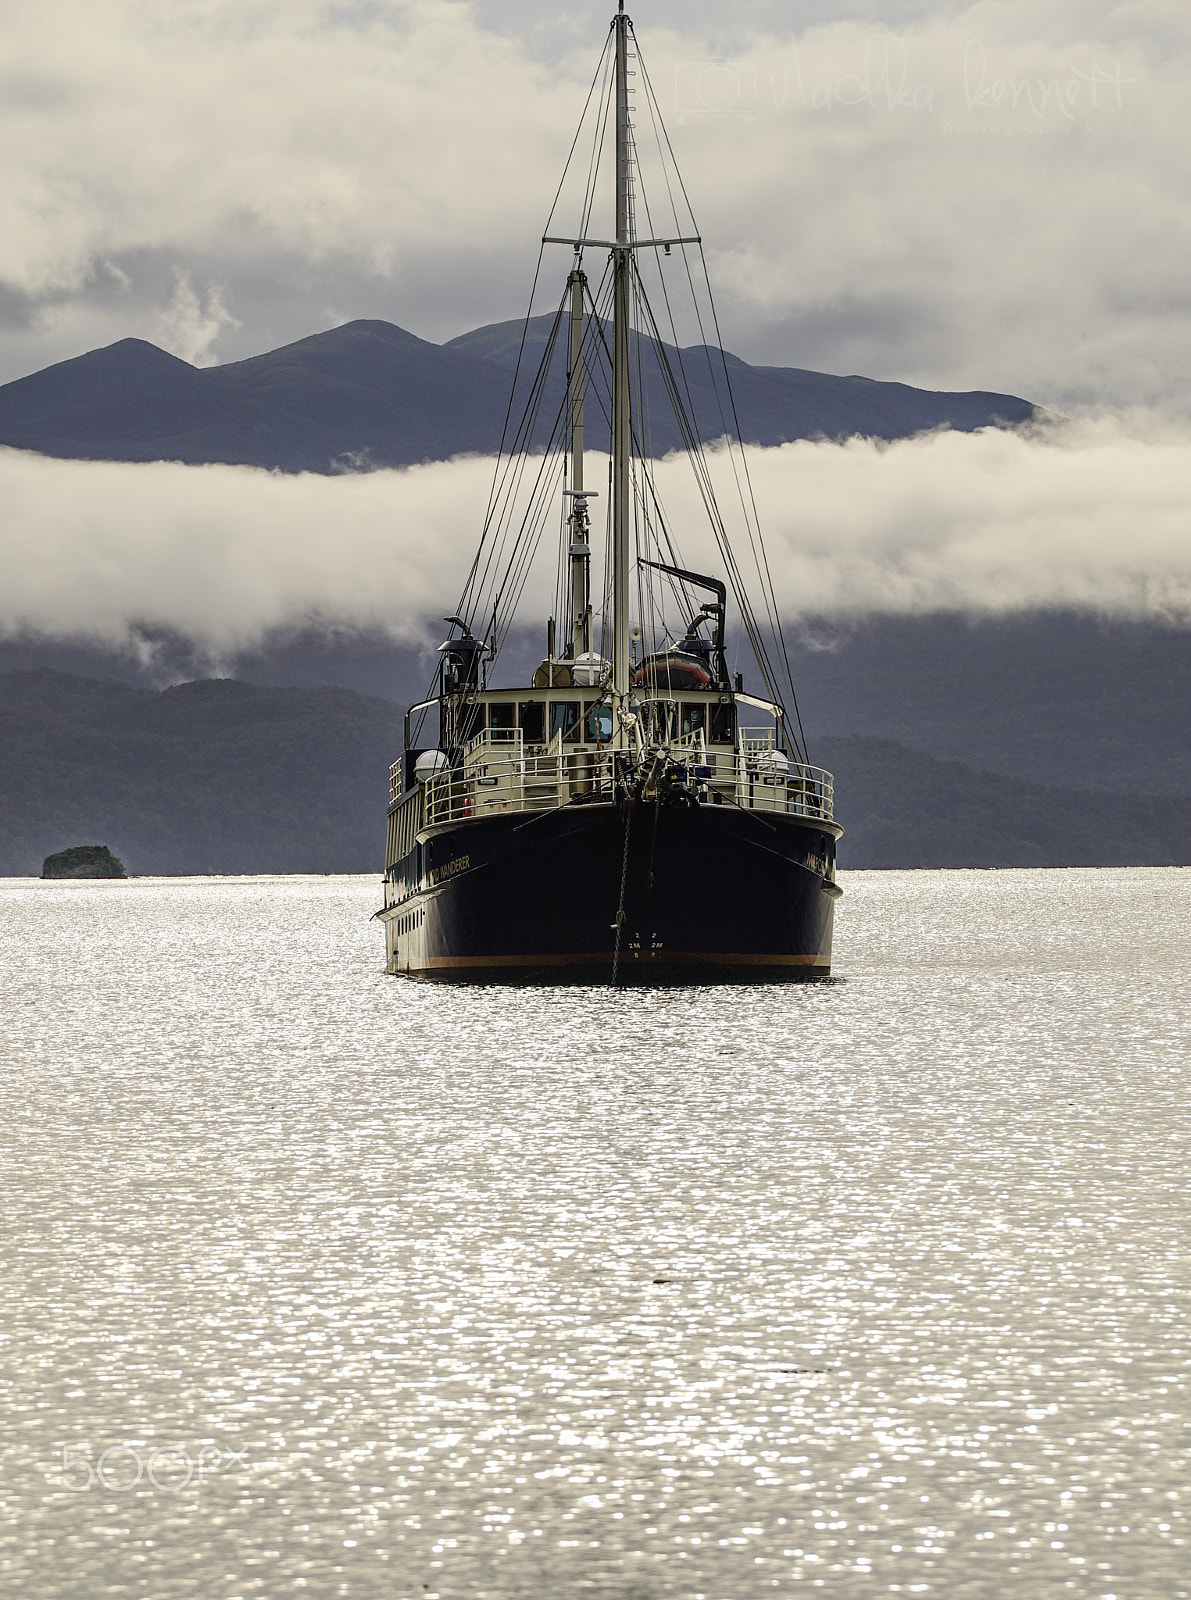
877	1286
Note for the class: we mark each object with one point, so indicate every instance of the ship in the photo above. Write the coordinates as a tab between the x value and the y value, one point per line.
627	813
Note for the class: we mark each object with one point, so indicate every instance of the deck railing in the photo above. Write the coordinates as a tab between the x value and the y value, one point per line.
501	773
767	780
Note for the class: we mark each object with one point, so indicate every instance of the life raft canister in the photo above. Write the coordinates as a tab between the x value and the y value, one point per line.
673	669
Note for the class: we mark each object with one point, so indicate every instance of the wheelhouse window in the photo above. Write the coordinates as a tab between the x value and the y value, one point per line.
694	719
531	717
723	724
471	722
565	719
597	723
502	717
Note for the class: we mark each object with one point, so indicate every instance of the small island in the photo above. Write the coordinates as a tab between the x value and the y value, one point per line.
83	861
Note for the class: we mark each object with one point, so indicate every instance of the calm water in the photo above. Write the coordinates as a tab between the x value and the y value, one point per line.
876	1287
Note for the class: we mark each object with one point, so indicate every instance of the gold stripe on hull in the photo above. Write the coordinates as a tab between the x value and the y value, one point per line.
627	959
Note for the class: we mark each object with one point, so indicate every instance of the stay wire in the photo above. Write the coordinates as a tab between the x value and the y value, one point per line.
762	562
600	72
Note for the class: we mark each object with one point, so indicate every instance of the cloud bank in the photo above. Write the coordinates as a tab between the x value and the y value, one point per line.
1094	516
992	195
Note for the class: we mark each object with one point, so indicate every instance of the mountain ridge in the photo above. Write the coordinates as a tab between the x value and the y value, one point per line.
220	776
371	394
1066	700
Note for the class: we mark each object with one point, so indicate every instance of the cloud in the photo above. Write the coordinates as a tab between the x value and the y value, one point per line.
224	555
189	326
300	140
992	195
1091	516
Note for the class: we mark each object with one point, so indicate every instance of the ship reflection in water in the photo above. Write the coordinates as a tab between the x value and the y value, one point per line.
537	1294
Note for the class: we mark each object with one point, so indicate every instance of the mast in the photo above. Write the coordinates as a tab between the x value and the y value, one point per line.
580	545
620	383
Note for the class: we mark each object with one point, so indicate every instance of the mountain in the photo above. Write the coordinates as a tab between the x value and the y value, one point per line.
219	776
1056	698
214	776
1065	700
364	394
772	404
903	809
369	394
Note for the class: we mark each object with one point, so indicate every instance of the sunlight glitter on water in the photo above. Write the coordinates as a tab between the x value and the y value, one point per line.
877	1286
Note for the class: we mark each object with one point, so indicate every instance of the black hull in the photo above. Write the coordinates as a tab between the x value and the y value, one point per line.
711	894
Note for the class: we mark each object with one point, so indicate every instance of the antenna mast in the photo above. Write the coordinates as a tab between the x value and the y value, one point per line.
580	539
620	383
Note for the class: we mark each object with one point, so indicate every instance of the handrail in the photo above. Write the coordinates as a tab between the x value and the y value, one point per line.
755	777
422	705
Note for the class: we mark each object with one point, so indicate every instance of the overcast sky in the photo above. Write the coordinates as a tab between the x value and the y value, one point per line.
990	196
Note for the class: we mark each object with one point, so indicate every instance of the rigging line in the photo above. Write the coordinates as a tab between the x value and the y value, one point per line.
529	535
498	512
601	67
688	433
658	122
642	297
703	471
648	606
685	423
562	609
766	574
552	468
635	429
533	519
530	547
669	306
671	549
655	611
599	140
524	438
515	471
647	453
702	477
592	346
606	593
532	525
551	462
756	540
606	67
753	499
771	598
624	877
753	532
644	416
493	490
666	299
